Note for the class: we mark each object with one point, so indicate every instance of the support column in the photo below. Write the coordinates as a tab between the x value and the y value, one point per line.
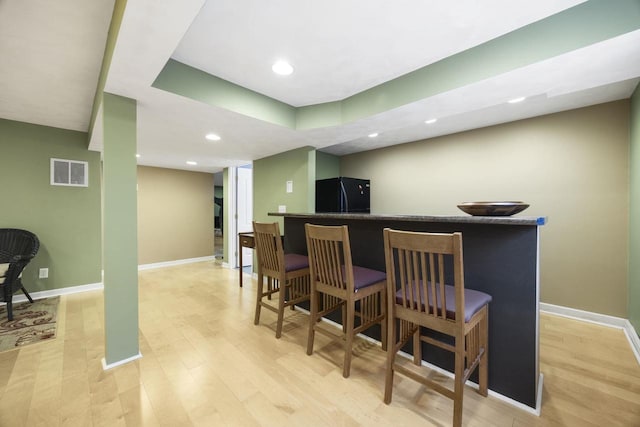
120	242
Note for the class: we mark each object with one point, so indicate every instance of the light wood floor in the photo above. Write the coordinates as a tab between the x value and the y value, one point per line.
205	364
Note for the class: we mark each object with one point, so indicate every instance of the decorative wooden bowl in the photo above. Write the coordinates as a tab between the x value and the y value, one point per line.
493	208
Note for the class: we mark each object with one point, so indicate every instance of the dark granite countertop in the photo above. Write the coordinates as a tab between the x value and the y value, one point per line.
503	220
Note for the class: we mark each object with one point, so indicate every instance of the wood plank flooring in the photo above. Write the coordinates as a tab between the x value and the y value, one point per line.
205	364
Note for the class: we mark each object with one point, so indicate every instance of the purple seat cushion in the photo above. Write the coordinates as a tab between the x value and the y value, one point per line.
363	277
473	300
294	262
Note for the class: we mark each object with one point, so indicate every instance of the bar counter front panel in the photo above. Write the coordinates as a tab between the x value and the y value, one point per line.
500	258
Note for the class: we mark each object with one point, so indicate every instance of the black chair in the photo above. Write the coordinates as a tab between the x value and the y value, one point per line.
17	248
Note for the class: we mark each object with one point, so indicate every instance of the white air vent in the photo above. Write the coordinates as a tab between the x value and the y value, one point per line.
69	172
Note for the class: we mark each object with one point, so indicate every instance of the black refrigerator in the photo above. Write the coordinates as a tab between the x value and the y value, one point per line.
343	195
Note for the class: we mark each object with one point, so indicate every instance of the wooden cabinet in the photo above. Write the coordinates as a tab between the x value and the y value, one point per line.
245	240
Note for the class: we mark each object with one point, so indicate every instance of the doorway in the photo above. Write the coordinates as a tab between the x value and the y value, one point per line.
218	215
239	211
244	208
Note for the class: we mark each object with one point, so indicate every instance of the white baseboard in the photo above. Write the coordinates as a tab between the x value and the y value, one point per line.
501	397
226	265
119	362
253	274
599	319
173	263
19	297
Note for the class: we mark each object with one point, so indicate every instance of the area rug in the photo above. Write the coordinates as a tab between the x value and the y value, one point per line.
31	323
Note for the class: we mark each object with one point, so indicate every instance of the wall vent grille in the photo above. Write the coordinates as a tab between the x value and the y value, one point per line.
70	173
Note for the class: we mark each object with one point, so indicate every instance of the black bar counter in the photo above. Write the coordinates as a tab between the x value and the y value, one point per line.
501	258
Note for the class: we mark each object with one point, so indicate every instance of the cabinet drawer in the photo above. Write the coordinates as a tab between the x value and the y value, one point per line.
247	242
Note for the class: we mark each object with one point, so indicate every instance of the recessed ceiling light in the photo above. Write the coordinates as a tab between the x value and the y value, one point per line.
138	156
282	67
430	121
373	135
516	100
192	163
212	137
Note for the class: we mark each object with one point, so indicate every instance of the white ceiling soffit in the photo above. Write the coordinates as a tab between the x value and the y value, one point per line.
172	129
562	83
149	33
50	58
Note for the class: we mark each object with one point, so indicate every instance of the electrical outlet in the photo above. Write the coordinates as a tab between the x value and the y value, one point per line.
282	208
44	273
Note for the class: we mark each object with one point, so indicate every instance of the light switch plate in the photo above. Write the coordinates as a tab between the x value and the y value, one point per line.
289	186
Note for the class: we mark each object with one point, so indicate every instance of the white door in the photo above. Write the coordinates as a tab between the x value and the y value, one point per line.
244	208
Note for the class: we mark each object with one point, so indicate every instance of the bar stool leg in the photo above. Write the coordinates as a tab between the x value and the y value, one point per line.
348	346
483	369
458	391
259	286
282	297
383	324
313	319
391	354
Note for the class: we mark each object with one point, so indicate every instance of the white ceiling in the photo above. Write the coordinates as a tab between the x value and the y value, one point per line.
50	58
339	48
49	69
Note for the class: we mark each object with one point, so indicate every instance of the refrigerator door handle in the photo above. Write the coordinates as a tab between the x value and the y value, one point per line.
344	206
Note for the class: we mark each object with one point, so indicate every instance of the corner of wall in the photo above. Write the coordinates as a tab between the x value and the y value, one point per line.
634	211
311	180
270	175
327	165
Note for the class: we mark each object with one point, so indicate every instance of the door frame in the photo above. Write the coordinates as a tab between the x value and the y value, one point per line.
231	217
244	195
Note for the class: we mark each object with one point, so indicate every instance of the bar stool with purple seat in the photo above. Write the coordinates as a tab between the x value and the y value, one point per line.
287	274
426	291
337	284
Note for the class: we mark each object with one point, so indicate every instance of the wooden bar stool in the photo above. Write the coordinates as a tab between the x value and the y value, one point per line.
418	266
337	284
287	274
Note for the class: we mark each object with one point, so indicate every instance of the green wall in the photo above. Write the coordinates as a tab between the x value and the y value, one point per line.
120	225
327	166
270	176
65	219
634	213
190	82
